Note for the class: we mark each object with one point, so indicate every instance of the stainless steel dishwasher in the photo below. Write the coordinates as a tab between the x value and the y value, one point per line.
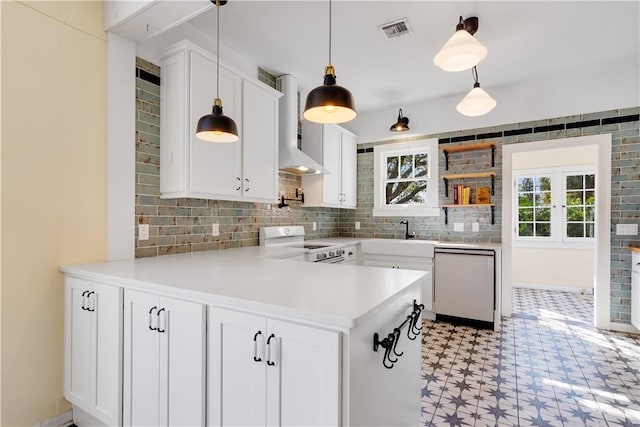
464	283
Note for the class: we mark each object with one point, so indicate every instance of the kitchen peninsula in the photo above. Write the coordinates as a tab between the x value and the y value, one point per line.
285	342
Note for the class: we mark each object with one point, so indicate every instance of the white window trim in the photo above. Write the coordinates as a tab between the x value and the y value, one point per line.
558	224
380	152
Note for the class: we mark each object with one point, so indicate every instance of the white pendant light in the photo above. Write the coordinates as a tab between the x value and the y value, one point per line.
462	51
477	102
216	127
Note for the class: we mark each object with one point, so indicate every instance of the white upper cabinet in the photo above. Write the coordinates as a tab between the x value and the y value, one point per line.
189	167
335	148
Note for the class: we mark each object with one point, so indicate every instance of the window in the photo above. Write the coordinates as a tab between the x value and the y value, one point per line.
405	179
555	206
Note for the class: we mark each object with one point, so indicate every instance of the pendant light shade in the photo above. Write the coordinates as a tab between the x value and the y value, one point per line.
216	127
330	103
402	125
462	51
477	102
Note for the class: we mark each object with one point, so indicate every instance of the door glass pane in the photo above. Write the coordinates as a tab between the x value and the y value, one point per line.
543	229
590	181
525	184
543	214
590	229
575	229
525	214
575	213
392	167
543	183
543	199
574	198
590	198
525	229
589	214
574	182
525	200
422	165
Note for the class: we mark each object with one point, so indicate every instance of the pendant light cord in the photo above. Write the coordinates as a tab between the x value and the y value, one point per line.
218	53
474	74
329	32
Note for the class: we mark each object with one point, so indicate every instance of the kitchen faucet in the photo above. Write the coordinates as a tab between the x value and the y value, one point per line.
407	236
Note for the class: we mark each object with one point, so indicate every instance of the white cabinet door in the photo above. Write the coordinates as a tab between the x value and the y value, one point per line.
78	336
269	372
236	374
164	357
92	365
331	160
259	143
349	169
303	384
214	168
141	396
182	363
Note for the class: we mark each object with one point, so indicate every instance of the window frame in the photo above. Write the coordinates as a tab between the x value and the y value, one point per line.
380	154
558	218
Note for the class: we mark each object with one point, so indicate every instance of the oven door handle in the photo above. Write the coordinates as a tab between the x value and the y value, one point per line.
334	260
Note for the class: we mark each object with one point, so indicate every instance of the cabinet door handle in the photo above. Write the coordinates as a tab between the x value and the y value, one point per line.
164	323
91	302
151	327
255	347
239	183
84	298
269	361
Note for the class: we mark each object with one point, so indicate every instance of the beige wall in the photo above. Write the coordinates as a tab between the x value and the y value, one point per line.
53	177
570	268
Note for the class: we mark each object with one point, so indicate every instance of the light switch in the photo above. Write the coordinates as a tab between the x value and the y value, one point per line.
215	230
458	226
475	227
357	225
314	226
143	231
626	229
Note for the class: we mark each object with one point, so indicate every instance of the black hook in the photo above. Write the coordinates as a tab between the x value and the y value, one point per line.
396	332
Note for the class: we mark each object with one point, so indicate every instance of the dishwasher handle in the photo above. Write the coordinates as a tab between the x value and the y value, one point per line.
460	251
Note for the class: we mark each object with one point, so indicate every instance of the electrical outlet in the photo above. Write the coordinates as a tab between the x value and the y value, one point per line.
143	231
315	227
357	225
626	229
475	227
215	230
458	226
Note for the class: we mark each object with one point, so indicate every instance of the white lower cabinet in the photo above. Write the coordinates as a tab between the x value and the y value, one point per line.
264	371
164	361
93	349
635	289
408	263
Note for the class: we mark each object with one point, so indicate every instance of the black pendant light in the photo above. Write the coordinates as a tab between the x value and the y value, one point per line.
402	125
216	127
330	103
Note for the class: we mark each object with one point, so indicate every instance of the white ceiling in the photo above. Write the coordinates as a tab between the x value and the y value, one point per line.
526	41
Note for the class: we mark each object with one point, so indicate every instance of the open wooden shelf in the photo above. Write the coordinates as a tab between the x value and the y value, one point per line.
470	205
469	147
469	175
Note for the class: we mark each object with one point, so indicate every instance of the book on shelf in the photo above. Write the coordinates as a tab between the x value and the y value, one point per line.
461	195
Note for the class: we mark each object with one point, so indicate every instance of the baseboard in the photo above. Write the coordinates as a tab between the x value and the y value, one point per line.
623	327
64	419
543	287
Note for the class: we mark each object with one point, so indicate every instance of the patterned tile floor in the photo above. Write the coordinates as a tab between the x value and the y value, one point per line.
546	366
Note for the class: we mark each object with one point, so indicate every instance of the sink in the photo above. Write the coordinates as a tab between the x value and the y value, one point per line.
417	248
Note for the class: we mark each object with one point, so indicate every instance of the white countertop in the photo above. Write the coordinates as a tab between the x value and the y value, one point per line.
254	279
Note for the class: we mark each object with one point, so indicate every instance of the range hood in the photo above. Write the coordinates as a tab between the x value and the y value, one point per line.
292	160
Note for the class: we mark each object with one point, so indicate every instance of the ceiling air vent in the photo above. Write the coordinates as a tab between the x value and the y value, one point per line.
396	28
